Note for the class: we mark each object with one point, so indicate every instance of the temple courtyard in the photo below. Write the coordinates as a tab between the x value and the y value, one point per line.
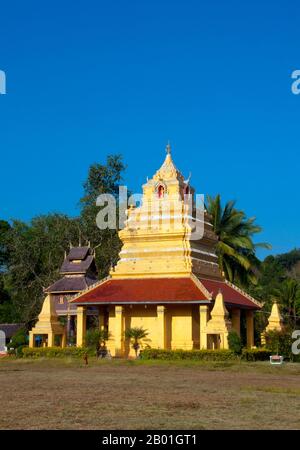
124	394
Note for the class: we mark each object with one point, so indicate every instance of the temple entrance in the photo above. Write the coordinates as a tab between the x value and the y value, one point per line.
42	340
213	341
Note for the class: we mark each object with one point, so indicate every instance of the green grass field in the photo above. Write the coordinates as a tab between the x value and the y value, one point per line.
119	394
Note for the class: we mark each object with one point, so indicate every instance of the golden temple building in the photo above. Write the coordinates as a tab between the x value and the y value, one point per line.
167	279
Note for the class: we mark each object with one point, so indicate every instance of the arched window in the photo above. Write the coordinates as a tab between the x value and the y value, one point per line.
160	191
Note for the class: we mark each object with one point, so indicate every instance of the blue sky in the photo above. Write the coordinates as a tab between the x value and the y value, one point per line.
91	78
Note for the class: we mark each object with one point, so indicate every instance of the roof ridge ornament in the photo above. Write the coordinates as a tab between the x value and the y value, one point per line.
168	148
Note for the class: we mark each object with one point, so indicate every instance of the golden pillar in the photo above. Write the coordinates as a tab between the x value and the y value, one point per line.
203	312
224	341
101	318
119	331
250	328
274	322
48	325
64	340
161	327
81	326
51	340
236	320
31	339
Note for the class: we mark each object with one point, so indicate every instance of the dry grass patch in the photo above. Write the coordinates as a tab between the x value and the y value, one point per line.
118	394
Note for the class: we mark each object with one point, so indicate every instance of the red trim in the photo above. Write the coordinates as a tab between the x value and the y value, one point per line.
231	296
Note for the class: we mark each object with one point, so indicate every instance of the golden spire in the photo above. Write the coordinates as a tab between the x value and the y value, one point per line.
219	310
275	319
219	322
168	170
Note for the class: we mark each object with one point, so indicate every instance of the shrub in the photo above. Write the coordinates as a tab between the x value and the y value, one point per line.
18	342
53	352
19	339
280	342
95	338
197	355
234	342
256	354
136	336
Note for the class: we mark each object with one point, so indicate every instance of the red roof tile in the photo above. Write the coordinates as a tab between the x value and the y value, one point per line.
232	296
143	290
162	290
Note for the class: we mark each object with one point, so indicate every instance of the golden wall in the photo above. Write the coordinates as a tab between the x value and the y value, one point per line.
180	325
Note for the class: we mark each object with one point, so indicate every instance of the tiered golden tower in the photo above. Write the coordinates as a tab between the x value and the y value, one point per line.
168	234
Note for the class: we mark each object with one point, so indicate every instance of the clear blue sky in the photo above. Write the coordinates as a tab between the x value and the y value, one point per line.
91	78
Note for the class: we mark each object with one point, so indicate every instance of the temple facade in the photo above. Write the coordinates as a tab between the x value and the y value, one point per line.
167	279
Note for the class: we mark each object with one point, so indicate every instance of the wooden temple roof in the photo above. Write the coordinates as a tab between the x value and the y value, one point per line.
71	284
79	272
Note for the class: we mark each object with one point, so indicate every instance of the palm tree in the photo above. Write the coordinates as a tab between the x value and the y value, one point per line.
96	338
235	248
135	335
288	295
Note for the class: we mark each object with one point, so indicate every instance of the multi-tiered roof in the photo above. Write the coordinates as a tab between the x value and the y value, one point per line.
78	272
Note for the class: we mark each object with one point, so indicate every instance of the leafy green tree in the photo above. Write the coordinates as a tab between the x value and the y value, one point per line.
4	230
20	338
102	179
280	342
235	248
7	314
31	253
290	259
135	336
288	296
235	342
36	251
273	284
18	342
6	307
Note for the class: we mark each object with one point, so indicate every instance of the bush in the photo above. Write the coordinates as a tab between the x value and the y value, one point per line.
196	355
280	342
19	339
234	342
256	354
96	338
18	342
54	352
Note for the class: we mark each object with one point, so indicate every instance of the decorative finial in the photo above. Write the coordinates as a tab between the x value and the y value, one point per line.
168	148
187	181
